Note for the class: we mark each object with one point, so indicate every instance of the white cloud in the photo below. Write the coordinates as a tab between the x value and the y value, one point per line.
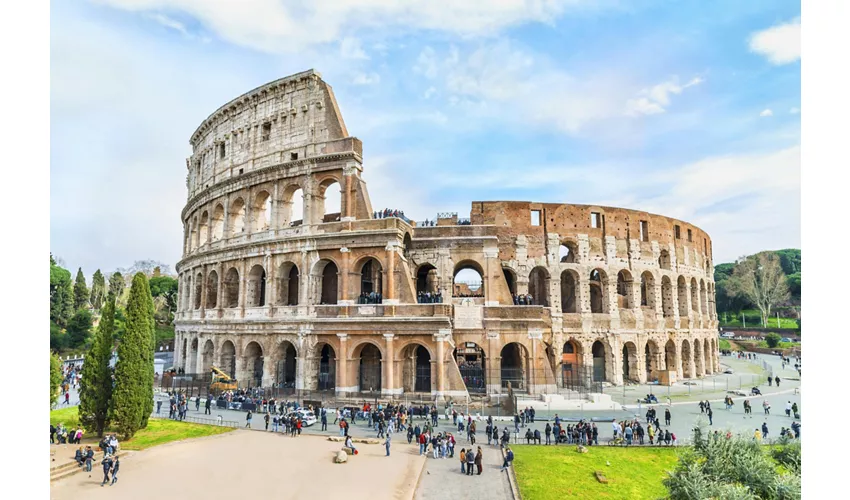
426	63
766	112
366	79
430	92
780	44
794	111
350	48
654	100
170	23
291	25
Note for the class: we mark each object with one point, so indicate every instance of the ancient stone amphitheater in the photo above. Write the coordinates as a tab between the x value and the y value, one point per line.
281	287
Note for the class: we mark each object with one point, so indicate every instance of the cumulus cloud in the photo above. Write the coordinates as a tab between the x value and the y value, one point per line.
290	25
780	44
766	112
350	48
656	99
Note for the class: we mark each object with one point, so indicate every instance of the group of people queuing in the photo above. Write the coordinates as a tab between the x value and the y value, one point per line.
429	298
523	300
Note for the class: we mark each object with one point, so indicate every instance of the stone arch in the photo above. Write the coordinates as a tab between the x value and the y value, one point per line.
230	297
207	356
571	364
212	290
603	360
625	290
292	206
326	380
598	286
647	290
237	217
371	276
515	366
682	288
667	297
187	291
686	359
199	290
707	354
329	201
369	358
472	363
262	211
193	356
694	296
203	229
652	360
326	282
568	252
427	279
218	222
286	365
631	367
464	281
538	286
670	356
664	260
569	291
703	299
699	360
227	358
252	363
288	284
406	244
416	368
510	279
256	286
193	238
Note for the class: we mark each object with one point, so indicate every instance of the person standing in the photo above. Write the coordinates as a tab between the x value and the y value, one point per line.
710	416
479	460
764	430
324	419
198	403
115	466
667	417
207	405
470	462
766	407
387	444
777	380
158	406
788	409
463	460
248	419
770	380
548	432
267	417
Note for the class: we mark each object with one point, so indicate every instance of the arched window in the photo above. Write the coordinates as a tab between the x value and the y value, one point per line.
212	290
262	211
538	286
288	284
326	273
237	217
292	207
625	294
569	288
664	260
203	229
647	290
218	223
426	279
257	286
468	280
371	277
567	252
230	297
330	201
598	285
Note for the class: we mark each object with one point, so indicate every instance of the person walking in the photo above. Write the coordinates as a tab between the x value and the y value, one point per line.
197	404
387	444
479	460
766	407
777	380
764	430
788	409
115	466
248	419
463	460
207	405
796	410
667	417
770	380
548	432
107	466
267	417
158	406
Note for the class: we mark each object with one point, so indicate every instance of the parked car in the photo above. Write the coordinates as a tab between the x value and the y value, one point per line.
786	339
729	371
307	417
727	335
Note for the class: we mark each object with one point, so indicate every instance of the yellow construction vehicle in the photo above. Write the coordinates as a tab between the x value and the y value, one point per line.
221	381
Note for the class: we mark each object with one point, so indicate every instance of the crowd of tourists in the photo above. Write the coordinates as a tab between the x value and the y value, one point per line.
390	212
63	435
523	300
429	298
370	298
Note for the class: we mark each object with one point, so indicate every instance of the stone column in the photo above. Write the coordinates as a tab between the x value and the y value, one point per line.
349	173
204	285
343	277
389	293
441	337
490	254
493	363
389	376
199	356
535	335
342	382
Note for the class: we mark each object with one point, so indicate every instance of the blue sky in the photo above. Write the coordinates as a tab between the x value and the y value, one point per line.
690	109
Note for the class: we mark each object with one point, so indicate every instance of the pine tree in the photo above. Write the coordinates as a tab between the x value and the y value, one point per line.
96	381
55	376
132	401
79	327
98	290
81	291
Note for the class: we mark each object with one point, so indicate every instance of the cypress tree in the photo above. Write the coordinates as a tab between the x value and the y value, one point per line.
96	382
55	378
132	400
81	291
116	285
98	290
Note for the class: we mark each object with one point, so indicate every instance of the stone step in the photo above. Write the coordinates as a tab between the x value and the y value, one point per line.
69	469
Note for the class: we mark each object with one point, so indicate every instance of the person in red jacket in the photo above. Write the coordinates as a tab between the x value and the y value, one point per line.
423	443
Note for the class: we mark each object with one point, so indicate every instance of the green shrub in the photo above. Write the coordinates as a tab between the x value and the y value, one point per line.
773	339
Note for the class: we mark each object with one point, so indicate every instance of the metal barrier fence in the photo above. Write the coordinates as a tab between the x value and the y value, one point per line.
199	420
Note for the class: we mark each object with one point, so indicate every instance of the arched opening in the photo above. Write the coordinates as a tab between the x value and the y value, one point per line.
218	223
694	296
470	361
231	288
371	282
630	362
330	200
625	292
292	207
187	292
538	286
514	366
193	241
707	354
598	284
686	359
510	279
698	358
237	217
599	353
288	284
670	356
682	287
567	252
569	302
262	211
571	375
647	290
287	364
193	355
406	245
199	289
651	355
703	299
369	368
468	280
227	359
327	368
207	356
253	363
664	260
416	369
426	280
326	274
667	297
212	290
257	286
204	227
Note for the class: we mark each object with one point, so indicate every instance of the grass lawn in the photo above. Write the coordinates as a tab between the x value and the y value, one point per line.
559	472
159	431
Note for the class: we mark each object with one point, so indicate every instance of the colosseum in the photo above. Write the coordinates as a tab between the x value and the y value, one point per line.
291	278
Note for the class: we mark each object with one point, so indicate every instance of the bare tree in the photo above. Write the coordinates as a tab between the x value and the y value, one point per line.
759	279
